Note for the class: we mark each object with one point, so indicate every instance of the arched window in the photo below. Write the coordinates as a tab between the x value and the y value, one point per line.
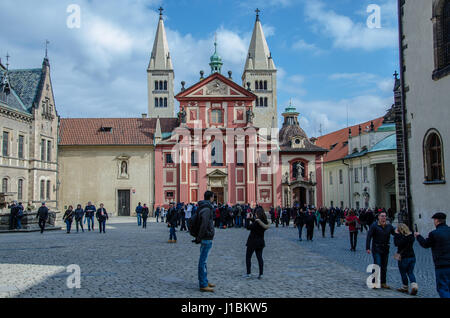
441	30
261	101
5	185
161	102
433	157
265	85
266	100
161	85
261	85
20	189
156	103
165	102
42	192
48	190
156	85
257	102
256	85
165	85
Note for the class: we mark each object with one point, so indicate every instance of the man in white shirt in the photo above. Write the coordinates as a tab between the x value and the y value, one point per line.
188	211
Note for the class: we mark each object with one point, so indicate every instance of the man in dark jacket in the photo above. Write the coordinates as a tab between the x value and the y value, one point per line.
205	237
380	232
332	215
439	241
102	216
139	214
42	214
299	222
13	215
89	211
310	220
172	219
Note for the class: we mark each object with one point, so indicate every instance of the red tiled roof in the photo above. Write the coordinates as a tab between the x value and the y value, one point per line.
339	137
124	131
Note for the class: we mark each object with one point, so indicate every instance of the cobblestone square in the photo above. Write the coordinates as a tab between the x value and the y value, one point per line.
132	262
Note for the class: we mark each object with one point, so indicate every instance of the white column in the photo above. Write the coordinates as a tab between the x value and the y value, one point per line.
373	186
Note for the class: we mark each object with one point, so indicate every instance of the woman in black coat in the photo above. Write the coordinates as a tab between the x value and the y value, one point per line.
255	242
68	218
144	216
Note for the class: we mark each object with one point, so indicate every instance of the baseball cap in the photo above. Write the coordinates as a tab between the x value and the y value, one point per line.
439	216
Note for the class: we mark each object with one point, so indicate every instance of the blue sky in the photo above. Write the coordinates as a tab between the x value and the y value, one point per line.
328	60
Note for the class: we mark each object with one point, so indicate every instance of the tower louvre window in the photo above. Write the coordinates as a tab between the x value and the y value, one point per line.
256	85
165	85
156	103
265	85
165	102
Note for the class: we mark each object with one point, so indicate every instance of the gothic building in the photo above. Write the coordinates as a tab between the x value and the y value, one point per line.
29	129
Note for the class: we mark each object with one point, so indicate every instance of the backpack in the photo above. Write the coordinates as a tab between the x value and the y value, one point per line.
195	222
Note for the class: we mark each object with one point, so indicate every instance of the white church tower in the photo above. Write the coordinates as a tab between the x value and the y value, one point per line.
160	76
260	72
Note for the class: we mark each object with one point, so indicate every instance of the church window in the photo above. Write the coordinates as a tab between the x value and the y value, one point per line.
48	190
49	150
20	189
165	85
21	146
216	116
161	85
356	175
331	177
256	85
266	100
5	142
441	22
341	177
42	192
261	85
194	159
42	149
433	157
156	85
5	185
169	158
156	103
161	102
165	102
265	85
257	102
240	158
217	153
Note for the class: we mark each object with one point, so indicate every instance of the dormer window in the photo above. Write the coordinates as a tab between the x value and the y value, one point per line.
333	146
106	129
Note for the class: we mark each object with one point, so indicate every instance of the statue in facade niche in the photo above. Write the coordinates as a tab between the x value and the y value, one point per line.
300	171
250	116
182	116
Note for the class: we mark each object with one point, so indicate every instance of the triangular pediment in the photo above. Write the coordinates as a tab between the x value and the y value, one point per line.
217	174
215	86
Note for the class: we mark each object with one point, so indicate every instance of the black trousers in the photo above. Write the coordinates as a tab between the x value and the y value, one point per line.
248	259
144	223
323	225
42	224
79	223
353	239
309	232
332	226
12	222
183	225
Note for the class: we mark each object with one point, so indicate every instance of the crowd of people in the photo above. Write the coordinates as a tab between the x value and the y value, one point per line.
202	218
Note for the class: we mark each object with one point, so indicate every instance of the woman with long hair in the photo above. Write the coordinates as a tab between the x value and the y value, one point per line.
255	242
404	240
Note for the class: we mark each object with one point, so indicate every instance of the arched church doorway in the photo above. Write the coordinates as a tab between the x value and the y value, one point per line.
299	196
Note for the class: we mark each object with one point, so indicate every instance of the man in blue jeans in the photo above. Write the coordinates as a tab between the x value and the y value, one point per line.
89	215
139	214
439	241
380	233
205	238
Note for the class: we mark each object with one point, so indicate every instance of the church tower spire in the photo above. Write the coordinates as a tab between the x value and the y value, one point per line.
261	73
160	75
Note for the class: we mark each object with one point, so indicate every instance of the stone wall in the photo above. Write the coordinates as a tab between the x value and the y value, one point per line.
29	220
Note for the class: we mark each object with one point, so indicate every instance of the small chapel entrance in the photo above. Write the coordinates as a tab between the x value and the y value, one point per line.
299	195
123	208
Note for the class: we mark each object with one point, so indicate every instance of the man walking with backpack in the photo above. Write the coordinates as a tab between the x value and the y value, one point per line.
203	220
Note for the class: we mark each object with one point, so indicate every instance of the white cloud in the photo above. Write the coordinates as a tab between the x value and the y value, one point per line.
302	45
347	34
365	80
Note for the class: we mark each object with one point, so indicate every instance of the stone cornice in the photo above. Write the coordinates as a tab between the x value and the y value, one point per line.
16	115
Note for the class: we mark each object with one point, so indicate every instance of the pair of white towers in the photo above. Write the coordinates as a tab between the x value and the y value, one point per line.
259	71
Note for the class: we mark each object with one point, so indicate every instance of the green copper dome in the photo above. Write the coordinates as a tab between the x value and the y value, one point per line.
216	61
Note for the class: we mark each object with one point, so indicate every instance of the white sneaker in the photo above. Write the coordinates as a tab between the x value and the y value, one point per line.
248	276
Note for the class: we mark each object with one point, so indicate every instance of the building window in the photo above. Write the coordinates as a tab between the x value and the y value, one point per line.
48	190
49	150
257	102
217	153
5	185
20	190
216	116
156	85
42	192
5	148
265	85
42	149
21	146
156	103
169	158
194	158
240	158
256	85
266	102
165	85
161	102
365	174
433	157
165	102
331	179
441	30
356	175
341	177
